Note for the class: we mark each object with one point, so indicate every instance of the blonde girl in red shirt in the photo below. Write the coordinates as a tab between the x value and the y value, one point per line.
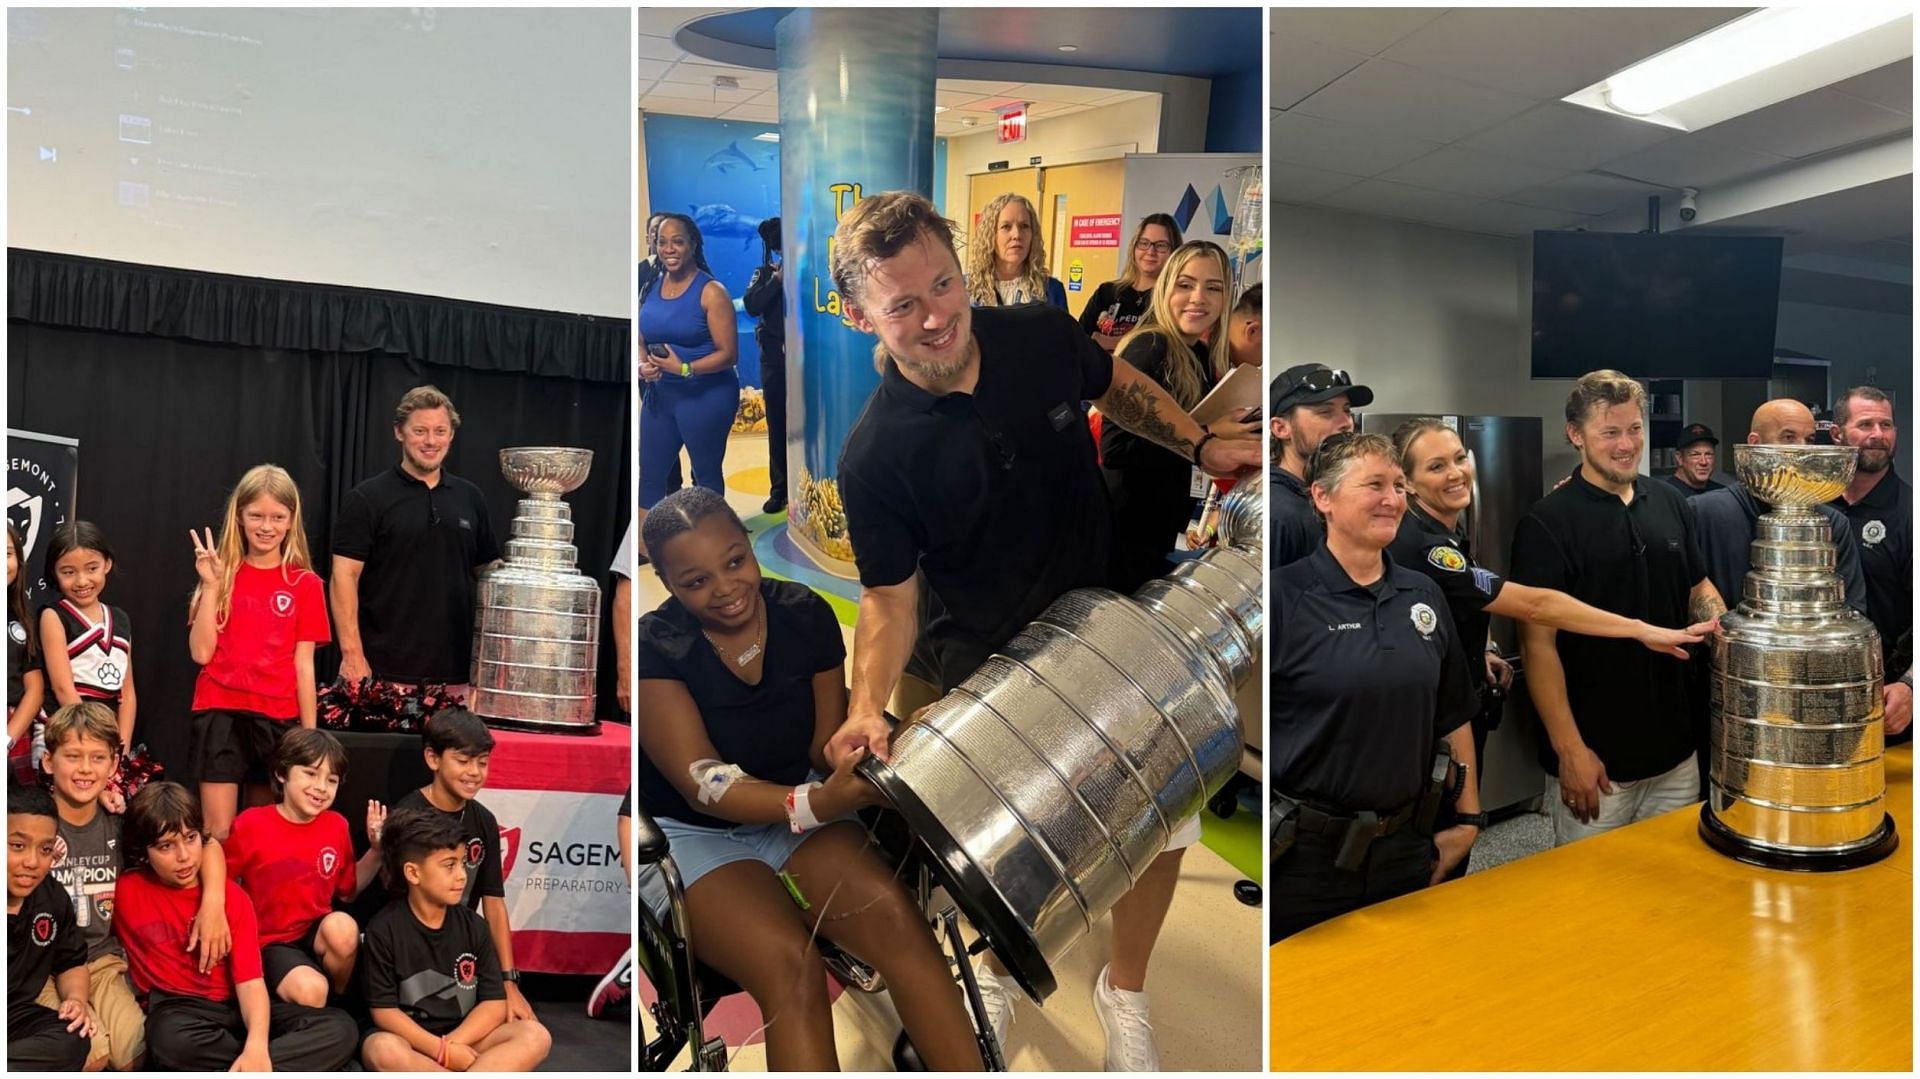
257	615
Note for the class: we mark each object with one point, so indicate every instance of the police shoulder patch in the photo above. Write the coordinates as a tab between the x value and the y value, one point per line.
1447	558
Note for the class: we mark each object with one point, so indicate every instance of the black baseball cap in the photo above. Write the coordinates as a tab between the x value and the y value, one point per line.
1696	432
1312	383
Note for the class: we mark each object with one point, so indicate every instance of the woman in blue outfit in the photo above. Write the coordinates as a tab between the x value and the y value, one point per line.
740	681
1006	262
688	347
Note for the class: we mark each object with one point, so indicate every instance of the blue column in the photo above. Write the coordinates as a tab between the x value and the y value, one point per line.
856	116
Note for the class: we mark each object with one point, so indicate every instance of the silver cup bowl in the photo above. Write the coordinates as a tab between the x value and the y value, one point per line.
1794	476
545	470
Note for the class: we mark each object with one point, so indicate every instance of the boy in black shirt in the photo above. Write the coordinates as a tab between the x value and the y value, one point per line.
42	940
459	747
432	978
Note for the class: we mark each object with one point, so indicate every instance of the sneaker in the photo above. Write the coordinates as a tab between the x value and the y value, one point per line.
1123	1016
613	990
998	1001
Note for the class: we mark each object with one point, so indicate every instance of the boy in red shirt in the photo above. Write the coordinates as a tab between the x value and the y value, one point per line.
223	1019
293	860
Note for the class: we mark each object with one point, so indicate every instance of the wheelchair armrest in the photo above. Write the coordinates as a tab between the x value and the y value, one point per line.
649	842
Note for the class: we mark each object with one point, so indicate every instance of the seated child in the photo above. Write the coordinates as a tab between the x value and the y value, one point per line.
223	1019
83	749
432	978
458	748
293	859
42	940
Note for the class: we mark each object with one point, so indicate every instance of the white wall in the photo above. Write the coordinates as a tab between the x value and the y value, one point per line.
1126	128
1437	321
642	202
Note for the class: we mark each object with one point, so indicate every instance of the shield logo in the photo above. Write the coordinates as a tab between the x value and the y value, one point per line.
103	906
329	858
466	970
1424	619
475	851
42	929
1447	558
34	506
282	602
511	837
1873	532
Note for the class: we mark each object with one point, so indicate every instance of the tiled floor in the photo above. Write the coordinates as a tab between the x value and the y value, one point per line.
1207	970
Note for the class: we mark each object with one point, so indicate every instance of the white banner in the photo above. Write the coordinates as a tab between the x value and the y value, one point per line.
561	859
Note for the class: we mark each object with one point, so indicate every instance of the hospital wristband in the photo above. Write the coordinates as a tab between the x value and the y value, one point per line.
800	816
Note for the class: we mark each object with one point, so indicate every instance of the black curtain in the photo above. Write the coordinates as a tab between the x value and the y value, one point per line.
176	382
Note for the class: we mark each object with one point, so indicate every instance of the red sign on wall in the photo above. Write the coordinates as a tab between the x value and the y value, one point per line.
1094	230
1013	125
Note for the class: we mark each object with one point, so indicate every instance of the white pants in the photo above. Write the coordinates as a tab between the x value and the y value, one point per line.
1630	801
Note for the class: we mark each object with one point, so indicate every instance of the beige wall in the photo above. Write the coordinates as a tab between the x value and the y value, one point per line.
1129	127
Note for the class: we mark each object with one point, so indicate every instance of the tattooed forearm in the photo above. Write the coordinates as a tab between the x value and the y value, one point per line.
1133	404
1705	603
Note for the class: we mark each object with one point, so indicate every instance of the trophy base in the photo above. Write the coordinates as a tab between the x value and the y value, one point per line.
1883	841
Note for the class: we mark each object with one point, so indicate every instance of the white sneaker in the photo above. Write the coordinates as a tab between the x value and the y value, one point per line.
1123	1016
998	1001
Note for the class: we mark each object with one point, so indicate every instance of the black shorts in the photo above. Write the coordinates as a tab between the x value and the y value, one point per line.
38	1041
279	960
235	747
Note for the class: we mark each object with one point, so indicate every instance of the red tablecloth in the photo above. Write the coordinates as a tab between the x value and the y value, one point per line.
555	796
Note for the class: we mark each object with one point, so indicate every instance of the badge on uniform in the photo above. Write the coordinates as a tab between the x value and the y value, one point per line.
1447	558
1424	619
1873	532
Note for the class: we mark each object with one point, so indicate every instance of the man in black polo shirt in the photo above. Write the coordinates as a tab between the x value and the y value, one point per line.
1694	474
1880	505
405	551
972	464
1623	542
1306	403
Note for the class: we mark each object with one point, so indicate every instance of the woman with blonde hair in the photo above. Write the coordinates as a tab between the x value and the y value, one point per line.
1118	305
257	615
1181	343
1007	262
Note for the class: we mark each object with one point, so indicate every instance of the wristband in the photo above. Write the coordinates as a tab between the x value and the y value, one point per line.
686	369
1204	439
800	816
441	1057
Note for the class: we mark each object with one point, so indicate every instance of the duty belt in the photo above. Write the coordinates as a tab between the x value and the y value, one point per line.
1357	830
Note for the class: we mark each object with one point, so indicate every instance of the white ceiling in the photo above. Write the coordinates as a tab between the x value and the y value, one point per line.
674	82
1452	117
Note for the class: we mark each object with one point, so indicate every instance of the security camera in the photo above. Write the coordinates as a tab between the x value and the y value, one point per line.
1689	203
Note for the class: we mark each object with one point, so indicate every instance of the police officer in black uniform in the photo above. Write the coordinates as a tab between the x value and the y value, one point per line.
1880	505
1368	677
1440	477
1307	403
1694	474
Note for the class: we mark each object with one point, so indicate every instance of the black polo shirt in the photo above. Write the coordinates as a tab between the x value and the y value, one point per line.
42	941
1688	490
1638	559
1446	556
1365	681
1295	526
1883	527
420	545
1724	521
995	495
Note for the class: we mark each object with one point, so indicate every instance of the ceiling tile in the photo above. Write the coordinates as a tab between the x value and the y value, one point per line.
1694	160
1466	172
657	48
1299	184
1567	137
648	70
1396	200
1077	95
748	77
1506	219
1362	30
1890	87
1811	124
1586	193
1301	66
676	106
1397	98
1348	148
975	86
1545	52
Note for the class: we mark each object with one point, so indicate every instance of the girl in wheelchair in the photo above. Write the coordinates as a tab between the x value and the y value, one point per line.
741	681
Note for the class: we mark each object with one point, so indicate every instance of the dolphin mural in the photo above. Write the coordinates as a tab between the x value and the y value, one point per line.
719	219
732	157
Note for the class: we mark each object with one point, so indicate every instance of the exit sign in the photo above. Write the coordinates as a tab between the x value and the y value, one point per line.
1013	124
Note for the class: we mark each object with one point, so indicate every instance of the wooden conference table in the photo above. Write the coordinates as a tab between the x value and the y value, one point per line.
1639	949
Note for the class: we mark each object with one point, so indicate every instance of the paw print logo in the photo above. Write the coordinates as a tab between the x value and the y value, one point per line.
109	674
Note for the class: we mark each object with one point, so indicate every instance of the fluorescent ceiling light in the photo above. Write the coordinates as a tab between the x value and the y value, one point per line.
1754	61
767	136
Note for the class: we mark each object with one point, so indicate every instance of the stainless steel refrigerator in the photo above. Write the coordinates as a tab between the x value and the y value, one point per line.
1507	458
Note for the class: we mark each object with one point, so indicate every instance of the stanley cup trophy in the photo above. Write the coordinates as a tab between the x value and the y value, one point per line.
1798	779
536	634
